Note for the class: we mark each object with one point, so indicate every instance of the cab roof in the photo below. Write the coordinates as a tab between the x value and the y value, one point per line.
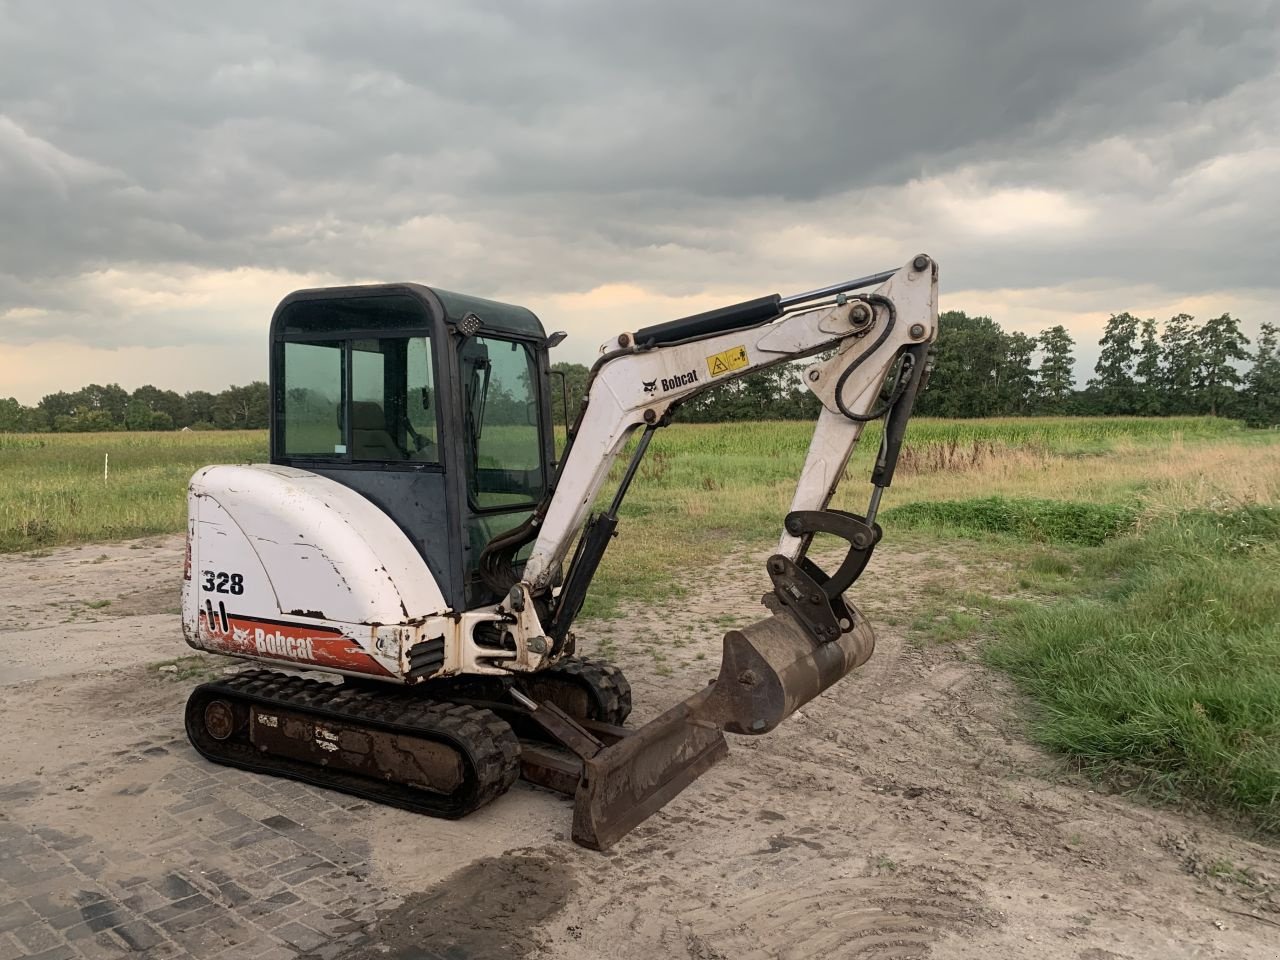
379	309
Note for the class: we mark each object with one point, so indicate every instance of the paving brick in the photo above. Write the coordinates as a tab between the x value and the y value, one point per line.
317	891
101	946
11	949
299	877
190	920
246	838
188	804
139	935
302	937
14	915
144	900
14	871
37	937
282	823
57	953
200	941
57	840
178	908
24	790
285	915
91	866
301	861
234	930
268	852
175	886
233	894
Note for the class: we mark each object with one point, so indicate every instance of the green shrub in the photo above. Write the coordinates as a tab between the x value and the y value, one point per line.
1039	521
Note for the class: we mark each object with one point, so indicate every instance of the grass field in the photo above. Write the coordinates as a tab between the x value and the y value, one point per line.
1126	571
53	490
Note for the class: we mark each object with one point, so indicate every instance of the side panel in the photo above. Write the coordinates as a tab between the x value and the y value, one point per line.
418	503
329	552
291	568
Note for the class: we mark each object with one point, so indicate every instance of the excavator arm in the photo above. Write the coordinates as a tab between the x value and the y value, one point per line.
876	348
642	377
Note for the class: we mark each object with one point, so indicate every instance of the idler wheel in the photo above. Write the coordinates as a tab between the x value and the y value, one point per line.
219	719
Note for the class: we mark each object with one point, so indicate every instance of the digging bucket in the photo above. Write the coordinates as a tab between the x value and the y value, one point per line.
767	672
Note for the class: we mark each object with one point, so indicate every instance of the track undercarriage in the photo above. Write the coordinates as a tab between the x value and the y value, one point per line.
445	749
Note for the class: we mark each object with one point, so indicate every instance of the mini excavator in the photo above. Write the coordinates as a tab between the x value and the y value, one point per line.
418	542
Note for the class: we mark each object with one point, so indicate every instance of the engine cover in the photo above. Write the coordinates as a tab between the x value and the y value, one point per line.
291	568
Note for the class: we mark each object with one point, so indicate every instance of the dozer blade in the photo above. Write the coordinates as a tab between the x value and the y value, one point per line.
624	784
768	671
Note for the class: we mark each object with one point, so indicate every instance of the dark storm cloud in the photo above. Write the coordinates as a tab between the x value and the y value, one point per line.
558	146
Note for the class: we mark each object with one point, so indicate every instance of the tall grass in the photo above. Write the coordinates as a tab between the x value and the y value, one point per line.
53	489
1165	676
732	482
731	479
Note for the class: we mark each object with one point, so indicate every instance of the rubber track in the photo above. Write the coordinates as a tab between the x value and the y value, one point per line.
605	683
490	750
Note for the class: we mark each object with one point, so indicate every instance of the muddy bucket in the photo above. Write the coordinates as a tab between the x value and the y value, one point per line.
767	672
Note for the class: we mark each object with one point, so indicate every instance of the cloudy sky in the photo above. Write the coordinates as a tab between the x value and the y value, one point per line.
169	170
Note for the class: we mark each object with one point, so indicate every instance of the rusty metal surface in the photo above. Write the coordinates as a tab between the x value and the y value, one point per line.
626	783
565	730
550	768
773	667
769	670
349	748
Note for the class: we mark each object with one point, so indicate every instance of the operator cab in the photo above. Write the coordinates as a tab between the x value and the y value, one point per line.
431	404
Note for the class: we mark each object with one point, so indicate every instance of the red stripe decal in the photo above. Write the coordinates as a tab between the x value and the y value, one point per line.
294	643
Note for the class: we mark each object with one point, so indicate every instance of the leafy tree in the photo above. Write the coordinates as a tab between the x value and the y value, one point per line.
242	408
199	404
1261	406
167	402
1180	369
1148	401
137	416
110	400
55	405
968	357
575	385
1220	345
1054	379
1016	381
1114	371
11	416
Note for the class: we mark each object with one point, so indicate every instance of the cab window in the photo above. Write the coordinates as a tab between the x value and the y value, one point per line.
501	423
367	400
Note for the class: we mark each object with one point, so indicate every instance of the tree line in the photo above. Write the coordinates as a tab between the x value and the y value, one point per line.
1145	368
111	407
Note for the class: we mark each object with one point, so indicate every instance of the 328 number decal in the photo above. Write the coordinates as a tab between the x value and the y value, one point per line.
220	582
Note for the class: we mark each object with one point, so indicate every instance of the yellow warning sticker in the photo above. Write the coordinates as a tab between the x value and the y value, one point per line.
735	358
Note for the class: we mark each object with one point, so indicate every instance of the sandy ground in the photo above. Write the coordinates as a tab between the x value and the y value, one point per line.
902	814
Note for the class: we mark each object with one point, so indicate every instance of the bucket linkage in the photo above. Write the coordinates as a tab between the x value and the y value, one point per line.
769	669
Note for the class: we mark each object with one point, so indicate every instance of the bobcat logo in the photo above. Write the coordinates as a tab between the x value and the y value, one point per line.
241	637
650	386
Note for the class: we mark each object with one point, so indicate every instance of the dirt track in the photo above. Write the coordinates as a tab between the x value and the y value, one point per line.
900	815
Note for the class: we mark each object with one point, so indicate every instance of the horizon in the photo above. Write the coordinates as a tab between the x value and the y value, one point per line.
172	178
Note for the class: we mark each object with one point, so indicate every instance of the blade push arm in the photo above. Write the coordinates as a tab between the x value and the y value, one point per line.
639	378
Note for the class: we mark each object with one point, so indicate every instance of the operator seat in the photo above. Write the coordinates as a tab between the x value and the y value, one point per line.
369	437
